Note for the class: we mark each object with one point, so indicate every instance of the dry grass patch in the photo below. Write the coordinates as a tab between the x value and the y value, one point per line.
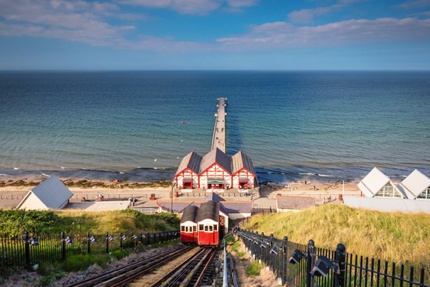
397	237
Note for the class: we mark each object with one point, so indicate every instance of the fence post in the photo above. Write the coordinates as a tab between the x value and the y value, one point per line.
107	242
339	279
63	246
310	263
27	250
88	243
284	260
271	263
120	240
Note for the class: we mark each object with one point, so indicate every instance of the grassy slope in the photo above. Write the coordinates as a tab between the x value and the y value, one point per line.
16	222
397	237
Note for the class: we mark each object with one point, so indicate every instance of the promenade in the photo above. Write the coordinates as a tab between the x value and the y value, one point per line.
219	138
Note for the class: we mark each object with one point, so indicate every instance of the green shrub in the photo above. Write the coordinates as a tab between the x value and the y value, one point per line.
81	262
254	269
119	253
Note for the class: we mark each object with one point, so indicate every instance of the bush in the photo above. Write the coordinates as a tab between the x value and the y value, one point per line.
81	262
254	269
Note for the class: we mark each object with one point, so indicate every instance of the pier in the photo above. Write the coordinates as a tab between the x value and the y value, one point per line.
219	138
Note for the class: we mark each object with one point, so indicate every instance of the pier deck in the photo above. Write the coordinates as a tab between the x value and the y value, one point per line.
219	138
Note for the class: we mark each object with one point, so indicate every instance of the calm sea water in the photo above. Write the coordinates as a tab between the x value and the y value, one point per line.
138	125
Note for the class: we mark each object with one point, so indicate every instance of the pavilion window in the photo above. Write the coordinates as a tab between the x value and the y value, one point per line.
388	191
425	194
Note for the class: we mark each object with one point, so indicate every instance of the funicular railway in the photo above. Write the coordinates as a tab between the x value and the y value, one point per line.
183	266
203	226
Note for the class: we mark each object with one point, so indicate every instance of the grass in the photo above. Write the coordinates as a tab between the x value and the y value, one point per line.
48	225
254	269
396	237
16	222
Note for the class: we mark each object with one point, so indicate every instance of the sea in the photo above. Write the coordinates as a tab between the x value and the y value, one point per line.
138	125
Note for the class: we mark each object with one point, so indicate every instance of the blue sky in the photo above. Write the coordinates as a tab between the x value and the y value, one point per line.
215	35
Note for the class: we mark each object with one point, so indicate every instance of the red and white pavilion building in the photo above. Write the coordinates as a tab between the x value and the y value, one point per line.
215	170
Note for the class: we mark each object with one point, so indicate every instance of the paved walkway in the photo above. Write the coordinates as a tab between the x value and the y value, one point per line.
219	138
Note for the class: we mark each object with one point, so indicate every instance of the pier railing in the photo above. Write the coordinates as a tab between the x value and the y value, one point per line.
30	250
309	266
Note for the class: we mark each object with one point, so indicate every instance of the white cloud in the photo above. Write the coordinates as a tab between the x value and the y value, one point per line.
86	22
280	35
199	7
76	21
306	16
411	4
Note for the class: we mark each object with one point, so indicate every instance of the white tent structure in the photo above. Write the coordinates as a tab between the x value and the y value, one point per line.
50	194
377	184
416	186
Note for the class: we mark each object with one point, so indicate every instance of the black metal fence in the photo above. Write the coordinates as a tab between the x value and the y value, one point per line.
308	266
28	249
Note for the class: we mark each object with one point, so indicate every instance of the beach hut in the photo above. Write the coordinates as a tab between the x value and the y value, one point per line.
377	184
243	172
215	170
187	174
416	186
50	194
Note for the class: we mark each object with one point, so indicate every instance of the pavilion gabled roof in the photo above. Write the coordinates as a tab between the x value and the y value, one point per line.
373	182
218	157
241	161
414	184
190	161
214	197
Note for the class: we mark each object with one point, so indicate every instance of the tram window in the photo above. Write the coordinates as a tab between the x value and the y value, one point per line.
182	228
201	227
194	228
206	228
210	228
215	227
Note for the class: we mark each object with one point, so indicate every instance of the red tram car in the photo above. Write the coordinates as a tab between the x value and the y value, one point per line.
208	224
188	225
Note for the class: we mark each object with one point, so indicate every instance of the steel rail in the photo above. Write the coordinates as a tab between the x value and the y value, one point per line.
203	270
128	273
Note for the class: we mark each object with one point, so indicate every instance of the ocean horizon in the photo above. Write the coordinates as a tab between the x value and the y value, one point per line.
137	125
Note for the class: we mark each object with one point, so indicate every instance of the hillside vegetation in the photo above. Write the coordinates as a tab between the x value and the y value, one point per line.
396	237
16	222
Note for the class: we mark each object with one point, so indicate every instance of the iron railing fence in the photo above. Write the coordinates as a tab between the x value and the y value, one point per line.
309	266
30	249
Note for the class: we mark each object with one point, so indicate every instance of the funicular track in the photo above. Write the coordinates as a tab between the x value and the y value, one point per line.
191	273
183	266
124	275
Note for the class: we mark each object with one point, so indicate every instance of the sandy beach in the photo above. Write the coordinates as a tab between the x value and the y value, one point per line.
12	191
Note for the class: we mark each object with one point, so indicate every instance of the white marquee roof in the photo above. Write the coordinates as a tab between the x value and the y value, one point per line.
373	182
414	184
